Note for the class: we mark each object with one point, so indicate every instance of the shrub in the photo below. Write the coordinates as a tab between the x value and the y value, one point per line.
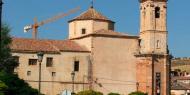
138	93
113	94
89	92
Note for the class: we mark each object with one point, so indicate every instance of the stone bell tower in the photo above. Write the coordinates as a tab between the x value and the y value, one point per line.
153	64
153	26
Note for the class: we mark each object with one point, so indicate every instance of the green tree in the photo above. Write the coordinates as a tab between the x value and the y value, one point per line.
10	84
89	92
16	86
7	62
113	94
138	93
3	88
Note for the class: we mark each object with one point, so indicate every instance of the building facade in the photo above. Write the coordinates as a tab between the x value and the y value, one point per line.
102	59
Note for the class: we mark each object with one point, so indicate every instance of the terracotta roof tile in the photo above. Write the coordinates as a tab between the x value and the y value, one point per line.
179	86
32	45
109	33
91	14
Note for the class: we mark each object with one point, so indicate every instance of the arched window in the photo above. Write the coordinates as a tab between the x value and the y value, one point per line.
157	12
158	44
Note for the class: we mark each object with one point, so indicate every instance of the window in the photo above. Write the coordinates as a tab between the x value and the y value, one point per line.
49	62
32	62
53	74
157	12
76	66
16	58
28	73
83	31
140	43
158	83
157	44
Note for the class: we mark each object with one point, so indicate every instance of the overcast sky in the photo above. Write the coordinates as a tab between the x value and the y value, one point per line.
18	13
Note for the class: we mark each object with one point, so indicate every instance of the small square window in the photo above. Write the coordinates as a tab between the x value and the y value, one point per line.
53	74
76	66
83	31
32	62
49	62
28	73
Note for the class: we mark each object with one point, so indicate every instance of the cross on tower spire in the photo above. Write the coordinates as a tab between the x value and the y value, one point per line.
92	4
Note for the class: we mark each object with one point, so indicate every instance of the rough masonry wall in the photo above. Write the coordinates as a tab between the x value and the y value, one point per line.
62	65
144	74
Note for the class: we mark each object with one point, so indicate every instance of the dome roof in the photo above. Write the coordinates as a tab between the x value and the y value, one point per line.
91	14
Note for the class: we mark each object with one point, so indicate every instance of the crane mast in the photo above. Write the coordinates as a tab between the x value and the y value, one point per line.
36	24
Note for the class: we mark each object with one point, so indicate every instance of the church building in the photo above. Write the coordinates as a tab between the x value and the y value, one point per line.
95	56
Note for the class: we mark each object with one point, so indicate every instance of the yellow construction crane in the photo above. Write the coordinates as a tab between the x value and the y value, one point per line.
36	24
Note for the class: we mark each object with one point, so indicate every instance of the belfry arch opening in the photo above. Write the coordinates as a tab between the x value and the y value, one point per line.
157	12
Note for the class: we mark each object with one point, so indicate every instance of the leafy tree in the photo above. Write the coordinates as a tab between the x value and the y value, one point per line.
89	92
10	84
3	87
138	93
7	62
16	86
113	94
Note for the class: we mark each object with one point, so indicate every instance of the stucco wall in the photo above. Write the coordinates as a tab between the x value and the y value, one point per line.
85	42
75	27
114	64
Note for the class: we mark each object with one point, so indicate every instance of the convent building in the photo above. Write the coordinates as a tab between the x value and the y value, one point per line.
101	58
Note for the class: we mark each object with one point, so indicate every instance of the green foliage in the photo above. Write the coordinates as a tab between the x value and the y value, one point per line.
16	86
138	93
113	94
7	62
3	87
10	84
89	92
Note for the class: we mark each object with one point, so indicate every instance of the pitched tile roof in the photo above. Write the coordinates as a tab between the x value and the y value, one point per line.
179	86
53	46
107	33
176	83
91	14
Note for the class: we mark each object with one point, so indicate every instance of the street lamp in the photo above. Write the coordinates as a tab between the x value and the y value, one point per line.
40	58
73	76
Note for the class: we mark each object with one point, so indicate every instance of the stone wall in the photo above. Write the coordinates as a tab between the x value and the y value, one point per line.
62	66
